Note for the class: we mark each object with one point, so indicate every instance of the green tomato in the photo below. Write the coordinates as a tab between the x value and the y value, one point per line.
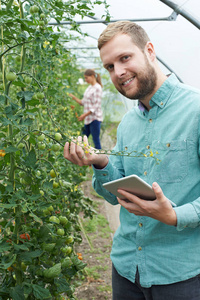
40	95
54	219
55	185
11	76
55	147
58	136
41	23
69	239
66	262
52	173
41	192
50	208
64	250
34	97
42	16
35	8
20	146
41	137
63	220
46	212
38	173
68	250
60	231
41	146
27	79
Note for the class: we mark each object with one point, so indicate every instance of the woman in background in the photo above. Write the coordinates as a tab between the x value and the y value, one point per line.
91	102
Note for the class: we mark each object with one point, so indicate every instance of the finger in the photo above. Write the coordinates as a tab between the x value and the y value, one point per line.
79	149
66	150
139	204
158	191
76	151
72	152
131	207
127	195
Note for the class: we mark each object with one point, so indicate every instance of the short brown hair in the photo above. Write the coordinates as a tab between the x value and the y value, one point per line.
136	32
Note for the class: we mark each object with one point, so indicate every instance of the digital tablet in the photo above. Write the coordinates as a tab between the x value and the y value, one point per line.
132	184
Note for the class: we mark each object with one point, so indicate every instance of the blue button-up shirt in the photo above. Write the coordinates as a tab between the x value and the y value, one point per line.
171	128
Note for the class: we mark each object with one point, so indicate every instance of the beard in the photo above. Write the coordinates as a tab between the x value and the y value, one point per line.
147	80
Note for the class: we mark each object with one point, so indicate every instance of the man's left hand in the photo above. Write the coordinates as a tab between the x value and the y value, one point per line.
159	209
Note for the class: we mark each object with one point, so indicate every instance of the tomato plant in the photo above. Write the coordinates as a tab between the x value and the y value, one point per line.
37	186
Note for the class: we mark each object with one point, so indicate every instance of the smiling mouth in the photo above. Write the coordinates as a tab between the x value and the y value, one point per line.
128	81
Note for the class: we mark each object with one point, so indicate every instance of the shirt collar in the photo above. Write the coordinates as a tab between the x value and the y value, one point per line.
163	94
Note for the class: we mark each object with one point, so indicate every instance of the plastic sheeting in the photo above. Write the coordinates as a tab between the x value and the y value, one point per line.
176	39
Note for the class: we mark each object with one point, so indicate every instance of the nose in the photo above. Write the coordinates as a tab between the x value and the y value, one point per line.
119	70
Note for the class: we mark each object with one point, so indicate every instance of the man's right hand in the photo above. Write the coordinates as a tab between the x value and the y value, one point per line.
80	153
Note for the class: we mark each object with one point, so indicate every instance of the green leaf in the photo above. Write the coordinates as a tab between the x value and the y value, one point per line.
28	95
5	121
27	122
33	102
20	247
32	254
62	285
17	293
40	292
2	99
5	205
30	161
2	188
11	149
4	246
19	83
36	218
8	264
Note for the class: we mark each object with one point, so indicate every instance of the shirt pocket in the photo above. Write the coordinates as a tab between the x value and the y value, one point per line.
173	166
133	159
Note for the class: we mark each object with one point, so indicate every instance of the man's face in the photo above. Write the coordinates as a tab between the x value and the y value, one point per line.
130	69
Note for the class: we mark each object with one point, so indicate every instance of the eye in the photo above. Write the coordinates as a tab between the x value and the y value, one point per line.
109	67
125	58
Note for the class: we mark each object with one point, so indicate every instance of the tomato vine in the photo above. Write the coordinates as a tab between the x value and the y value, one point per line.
39	223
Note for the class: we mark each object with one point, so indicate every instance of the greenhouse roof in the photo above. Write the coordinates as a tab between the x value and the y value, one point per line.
173	27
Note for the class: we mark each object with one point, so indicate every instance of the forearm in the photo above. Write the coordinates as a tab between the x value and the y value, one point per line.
79	101
104	175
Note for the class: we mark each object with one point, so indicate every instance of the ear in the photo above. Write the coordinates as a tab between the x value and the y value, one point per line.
150	51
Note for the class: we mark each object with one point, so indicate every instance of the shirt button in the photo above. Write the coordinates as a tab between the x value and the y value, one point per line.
140	224
139	248
148	147
145	173
150	120
104	174
168	145
161	103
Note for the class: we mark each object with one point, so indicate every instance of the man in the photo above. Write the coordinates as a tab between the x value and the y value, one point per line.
155	251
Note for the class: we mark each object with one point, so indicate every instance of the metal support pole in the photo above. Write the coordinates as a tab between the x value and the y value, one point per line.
106	22
182	12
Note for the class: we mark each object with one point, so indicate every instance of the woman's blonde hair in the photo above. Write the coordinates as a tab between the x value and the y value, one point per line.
136	32
90	72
